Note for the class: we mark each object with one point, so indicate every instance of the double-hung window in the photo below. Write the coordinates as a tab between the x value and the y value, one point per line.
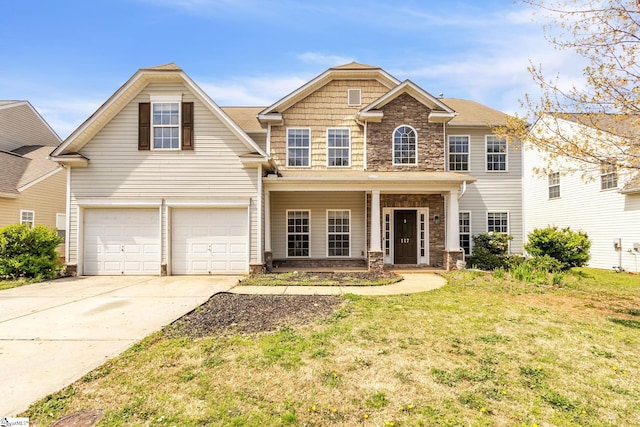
338	147
458	153
465	232
405	146
496	153
338	233
298	233
608	176
498	222
165	119
554	185
299	147
28	217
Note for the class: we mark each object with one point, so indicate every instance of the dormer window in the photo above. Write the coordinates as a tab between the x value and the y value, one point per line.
354	97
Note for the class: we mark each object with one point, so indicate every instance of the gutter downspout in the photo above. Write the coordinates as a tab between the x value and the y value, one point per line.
463	190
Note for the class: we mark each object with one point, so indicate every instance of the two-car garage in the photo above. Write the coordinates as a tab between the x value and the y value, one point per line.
199	241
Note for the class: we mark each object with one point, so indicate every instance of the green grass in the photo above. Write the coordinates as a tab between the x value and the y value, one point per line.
480	351
9	284
295	278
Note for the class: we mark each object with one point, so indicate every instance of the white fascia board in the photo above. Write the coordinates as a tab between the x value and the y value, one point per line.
8	195
222	115
441	116
371	116
273	118
71	160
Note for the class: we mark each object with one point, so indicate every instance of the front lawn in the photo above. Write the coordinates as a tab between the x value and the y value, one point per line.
482	351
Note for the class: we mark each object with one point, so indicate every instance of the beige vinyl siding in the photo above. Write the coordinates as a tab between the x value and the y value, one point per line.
46	199
117	170
317	203
326	108
22	126
493	191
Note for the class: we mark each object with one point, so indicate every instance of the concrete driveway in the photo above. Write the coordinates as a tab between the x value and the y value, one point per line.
53	333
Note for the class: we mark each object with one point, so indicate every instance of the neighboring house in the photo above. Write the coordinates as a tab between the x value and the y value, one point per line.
354	168
600	200
32	187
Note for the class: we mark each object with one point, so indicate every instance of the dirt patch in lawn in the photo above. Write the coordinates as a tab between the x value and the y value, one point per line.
233	313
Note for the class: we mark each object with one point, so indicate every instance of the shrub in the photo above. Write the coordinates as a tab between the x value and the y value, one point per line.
29	252
545	263
490	251
570	248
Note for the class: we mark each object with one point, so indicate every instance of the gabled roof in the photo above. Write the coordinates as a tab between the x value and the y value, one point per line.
349	71
440	112
23	166
633	186
126	93
471	113
245	117
21	124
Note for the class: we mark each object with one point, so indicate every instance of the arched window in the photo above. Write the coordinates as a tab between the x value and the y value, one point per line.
405	146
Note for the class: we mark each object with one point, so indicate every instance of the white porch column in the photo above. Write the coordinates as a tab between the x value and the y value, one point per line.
267	221
375	222
453	221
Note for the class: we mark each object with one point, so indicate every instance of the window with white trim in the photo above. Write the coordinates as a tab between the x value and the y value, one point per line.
338	233
166	125
299	147
554	185
465	232
61	226
298	233
458	153
496	153
28	217
608	176
498	222
405	146
338	147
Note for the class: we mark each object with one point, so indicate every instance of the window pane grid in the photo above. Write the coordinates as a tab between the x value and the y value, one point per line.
338	143
608	176
166	129
496	154
338	227
554	185
404	146
298	233
498	222
298	147
465	232
458	153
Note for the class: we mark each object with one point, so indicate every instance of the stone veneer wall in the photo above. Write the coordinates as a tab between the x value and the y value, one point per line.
435	203
319	263
405	110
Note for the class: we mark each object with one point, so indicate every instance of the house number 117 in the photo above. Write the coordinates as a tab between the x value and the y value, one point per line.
404	240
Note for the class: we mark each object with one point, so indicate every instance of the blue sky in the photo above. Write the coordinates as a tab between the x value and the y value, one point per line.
67	56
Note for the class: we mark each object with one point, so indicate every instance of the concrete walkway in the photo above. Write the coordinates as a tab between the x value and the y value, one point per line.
414	281
53	333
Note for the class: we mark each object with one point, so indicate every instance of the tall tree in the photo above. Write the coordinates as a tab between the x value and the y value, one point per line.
606	34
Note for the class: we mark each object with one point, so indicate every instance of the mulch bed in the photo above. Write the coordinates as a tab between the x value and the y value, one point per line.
232	313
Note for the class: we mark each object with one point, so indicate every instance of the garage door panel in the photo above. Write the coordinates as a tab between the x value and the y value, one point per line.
206	241
121	241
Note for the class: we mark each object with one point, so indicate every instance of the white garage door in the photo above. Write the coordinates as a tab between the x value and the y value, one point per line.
209	241
121	241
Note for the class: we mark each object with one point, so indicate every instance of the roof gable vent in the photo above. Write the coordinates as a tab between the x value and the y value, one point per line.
354	97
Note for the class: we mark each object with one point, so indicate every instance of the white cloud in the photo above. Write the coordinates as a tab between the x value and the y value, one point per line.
325	59
251	91
65	114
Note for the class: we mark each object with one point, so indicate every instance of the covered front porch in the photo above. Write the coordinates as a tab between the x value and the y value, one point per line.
356	219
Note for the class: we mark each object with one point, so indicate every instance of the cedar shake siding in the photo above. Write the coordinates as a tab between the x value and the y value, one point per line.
326	108
405	110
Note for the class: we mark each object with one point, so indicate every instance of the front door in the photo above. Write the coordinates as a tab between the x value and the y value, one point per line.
405	247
